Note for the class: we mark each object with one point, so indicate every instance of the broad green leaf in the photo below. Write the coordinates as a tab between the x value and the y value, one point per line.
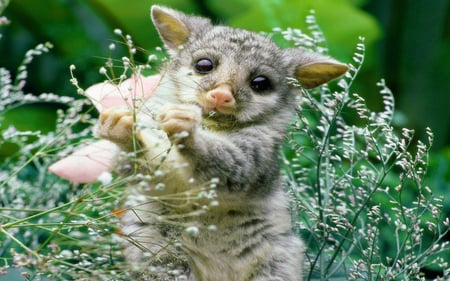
341	21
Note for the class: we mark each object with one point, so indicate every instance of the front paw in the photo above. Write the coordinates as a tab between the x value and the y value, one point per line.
116	125
175	119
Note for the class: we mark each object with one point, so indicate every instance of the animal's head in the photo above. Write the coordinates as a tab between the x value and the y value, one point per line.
234	73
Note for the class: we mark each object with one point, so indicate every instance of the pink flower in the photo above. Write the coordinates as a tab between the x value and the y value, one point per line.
106	95
88	162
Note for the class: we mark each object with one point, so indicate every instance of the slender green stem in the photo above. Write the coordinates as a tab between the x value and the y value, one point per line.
14	223
23	246
73	265
355	218
31	159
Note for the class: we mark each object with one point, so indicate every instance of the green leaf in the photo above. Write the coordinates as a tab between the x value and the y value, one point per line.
341	21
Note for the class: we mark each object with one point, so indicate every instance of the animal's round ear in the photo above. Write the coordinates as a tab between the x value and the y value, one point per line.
176	28
312	69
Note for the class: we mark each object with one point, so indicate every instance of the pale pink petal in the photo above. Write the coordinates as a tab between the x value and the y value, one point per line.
87	163
141	88
137	88
105	95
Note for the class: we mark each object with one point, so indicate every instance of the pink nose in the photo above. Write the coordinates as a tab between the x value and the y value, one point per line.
221	96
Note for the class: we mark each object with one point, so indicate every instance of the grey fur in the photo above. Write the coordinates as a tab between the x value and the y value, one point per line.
239	149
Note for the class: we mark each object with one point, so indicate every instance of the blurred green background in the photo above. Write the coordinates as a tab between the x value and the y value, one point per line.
407	41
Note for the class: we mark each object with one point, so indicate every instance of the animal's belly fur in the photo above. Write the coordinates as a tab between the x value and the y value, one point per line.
247	242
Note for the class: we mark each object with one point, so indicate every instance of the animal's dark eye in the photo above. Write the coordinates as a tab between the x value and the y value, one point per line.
204	66
260	84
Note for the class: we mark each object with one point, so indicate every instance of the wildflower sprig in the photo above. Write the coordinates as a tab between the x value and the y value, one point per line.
341	175
352	180
50	228
39	211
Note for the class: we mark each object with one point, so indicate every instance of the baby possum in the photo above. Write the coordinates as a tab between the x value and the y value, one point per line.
219	114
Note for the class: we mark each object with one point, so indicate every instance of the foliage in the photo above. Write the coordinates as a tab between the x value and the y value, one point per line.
49	227
355	182
91	23
406	43
352	180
